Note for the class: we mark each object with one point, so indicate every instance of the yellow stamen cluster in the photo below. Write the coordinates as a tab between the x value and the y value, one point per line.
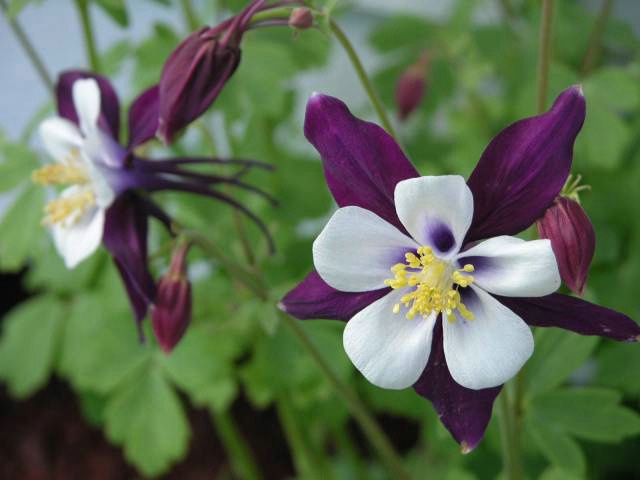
436	285
72	206
69	172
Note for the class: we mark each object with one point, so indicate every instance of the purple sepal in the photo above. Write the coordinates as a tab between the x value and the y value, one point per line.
362	163
575	314
192	78
125	237
313	298
139	303
573	240
464	412
524	168
143	117
109	105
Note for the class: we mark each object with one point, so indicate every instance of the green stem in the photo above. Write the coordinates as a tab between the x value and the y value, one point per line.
364	78
303	458
242	461
544	54
29	49
189	15
369	426
509	438
89	39
595	39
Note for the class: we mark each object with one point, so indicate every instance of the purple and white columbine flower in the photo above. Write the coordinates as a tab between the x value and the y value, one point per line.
108	185
437	292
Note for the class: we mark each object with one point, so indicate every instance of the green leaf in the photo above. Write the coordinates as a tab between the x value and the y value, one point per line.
17	161
555	473
558	353
101	347
20	228
589	413
558	447
116	9
615	87
147	419
29	343
611	371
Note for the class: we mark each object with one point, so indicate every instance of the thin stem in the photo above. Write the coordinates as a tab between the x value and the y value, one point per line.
89	39
27	46
509	438
368	424
189	15
595	39
544	54
242	461
364	78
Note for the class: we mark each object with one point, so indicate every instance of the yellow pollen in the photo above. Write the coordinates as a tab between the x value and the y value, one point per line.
67	173
435	285
72	206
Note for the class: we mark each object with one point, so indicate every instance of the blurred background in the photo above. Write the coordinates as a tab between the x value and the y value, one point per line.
81	398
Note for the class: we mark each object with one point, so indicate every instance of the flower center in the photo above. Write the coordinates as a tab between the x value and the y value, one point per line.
68	208
436	283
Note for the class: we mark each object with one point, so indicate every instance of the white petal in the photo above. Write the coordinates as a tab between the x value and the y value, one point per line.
513	267
436	211
356	250
77	241
60	137
488	350
86	99
390	350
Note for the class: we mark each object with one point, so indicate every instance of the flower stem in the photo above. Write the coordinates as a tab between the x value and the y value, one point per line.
509	438
544	54
595	39
87	30
368	424
242	461
29	49
364	78
189	15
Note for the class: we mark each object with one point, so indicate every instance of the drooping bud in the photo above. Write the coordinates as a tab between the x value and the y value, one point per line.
573	240
411	87
172	311
301	18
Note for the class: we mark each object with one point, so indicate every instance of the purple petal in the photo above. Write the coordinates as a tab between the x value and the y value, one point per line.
524	168
143	117
362	162
313	299
464	412
125	237
573	240
109	105
575	314
139	303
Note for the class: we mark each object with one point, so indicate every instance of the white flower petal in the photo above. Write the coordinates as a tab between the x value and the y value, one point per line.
86	99
76	241
513	267
60	137
436	211
390	350
488	350
356	250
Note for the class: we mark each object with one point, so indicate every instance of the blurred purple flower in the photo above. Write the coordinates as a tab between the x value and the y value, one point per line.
108	185
411	86
518	177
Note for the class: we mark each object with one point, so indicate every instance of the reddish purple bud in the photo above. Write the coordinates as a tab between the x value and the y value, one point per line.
172	311
301	18
411	87
573	240
192	78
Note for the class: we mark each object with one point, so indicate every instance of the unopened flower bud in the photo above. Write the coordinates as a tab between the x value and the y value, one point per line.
573	240
301	18
172	311
192	78
411	87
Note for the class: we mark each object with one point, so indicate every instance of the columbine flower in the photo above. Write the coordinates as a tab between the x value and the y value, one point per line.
430	302
572	237
411	87
106	199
